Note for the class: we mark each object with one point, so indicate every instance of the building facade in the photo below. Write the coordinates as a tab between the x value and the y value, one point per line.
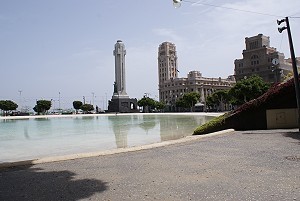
262	60
172	88
167	62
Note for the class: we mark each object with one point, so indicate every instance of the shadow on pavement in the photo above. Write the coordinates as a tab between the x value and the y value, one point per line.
294	135
27	183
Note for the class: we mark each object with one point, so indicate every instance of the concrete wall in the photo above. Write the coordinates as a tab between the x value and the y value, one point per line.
282	118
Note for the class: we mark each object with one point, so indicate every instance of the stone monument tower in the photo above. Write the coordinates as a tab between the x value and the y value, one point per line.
120	81
120	101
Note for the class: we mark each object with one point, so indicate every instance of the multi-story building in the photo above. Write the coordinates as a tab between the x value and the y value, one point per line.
167	62
171	87
261	59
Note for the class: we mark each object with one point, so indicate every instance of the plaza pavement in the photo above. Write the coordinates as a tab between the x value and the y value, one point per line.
237	165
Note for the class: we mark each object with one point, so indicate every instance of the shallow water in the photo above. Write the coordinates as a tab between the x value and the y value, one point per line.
33	138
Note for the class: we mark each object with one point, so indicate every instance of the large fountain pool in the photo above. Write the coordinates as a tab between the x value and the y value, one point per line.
33	138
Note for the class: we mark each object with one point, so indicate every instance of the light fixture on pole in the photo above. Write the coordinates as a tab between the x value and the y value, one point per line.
177	3
295	70
280	29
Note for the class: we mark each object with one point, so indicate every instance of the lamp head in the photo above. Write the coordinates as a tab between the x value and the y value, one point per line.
280	21
280	29
177	3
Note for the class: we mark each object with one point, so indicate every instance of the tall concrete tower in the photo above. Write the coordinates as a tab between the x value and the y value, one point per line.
167	62
120	81
120	101
167	65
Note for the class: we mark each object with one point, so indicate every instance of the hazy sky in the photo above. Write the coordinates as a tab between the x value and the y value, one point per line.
49	47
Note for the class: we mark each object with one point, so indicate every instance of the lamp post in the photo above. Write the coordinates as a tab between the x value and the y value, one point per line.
59	101
93	98
105	101
20	92
295	70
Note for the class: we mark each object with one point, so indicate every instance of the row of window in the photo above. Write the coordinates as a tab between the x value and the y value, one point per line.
254	61
172	63
253	45
165	75
204	83
178	93
252	70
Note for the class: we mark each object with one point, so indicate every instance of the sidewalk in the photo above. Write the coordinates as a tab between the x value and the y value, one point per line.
249	165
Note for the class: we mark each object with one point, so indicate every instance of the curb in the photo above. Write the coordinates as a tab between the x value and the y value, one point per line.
111	152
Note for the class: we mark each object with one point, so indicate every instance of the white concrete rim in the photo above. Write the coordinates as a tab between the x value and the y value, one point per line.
213	114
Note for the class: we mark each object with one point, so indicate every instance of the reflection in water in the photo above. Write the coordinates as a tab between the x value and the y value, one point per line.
33	138
148	122
26	133
121	126
10	129
175	127
171	127
43	126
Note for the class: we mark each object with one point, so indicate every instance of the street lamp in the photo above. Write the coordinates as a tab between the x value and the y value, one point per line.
93	98
59	101
295	70
177	3
20	91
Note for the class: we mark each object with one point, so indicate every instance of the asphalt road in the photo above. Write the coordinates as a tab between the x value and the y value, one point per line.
250	165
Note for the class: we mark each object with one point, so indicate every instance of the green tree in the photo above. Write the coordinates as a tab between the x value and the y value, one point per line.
181	103
218	98
188	100
77	105
87	108
7	105
160	105
248	89
147	103
42	106
209	100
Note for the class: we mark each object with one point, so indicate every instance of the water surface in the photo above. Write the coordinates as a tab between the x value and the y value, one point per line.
33	138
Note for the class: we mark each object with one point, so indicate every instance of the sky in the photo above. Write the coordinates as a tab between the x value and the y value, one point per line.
62	50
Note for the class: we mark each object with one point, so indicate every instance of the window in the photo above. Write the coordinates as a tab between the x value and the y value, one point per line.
254	60
253	45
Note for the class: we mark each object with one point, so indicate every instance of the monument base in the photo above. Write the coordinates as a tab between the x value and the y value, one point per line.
122	104
120	96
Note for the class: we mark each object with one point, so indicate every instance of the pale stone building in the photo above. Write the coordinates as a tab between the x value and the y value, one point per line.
171	87
257	59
